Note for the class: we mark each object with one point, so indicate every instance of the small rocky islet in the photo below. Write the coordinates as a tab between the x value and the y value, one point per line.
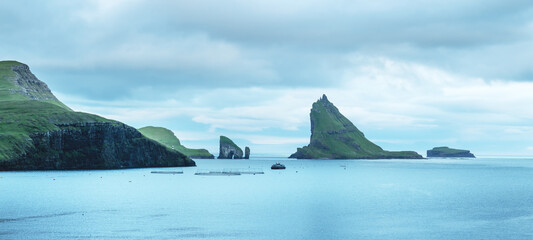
229	150
446	152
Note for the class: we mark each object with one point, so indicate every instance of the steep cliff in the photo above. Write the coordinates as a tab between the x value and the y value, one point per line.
228	149
167	138
333	136
447	152
38	132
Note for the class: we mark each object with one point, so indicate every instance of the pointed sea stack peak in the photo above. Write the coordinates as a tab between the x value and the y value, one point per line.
333	136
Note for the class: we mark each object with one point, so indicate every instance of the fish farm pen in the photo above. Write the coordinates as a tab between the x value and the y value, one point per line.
229	172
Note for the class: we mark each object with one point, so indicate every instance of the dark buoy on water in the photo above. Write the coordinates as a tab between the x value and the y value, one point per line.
278	166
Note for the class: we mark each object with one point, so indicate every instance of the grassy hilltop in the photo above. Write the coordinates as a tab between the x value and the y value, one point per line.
167	138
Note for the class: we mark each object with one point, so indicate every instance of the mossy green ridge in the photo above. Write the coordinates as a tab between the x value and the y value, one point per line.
333	136
38	132
449	153
228	149
167	138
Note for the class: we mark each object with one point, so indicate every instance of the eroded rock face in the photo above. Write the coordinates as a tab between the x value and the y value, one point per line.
246	153
228	149
28	85
98	145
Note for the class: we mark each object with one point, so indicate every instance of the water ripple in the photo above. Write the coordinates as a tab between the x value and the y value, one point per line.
2	220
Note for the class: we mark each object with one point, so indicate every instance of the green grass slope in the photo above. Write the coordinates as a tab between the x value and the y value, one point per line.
448	150
168	139
333	136
226	140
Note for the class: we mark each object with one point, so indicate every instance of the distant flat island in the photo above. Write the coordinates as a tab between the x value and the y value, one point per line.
446	152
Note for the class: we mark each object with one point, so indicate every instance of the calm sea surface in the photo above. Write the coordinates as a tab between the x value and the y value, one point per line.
489	198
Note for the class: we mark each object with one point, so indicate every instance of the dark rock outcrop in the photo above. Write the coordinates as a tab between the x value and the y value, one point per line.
446	152
228	149
333	136
246	153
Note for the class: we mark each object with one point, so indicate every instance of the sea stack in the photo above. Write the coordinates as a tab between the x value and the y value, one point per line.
38	132
228	149
246	153
333	136
446	152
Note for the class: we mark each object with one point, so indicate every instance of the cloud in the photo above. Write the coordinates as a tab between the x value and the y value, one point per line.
346	25
274	140
194	135
206	44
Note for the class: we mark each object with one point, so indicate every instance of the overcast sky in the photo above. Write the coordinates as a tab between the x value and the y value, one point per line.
411	75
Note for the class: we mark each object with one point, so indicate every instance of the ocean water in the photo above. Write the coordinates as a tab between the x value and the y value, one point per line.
486	198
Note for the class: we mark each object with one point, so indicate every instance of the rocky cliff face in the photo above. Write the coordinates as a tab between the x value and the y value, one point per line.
38	132
99	145
333	136
228	149
246	153
447	152
27	84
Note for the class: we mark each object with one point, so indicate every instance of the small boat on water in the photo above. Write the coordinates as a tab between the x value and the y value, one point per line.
277	166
